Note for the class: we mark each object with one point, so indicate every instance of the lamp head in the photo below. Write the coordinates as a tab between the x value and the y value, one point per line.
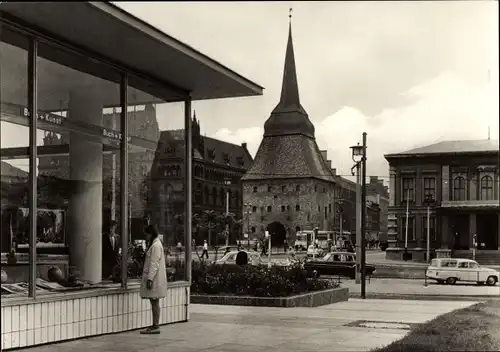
357	152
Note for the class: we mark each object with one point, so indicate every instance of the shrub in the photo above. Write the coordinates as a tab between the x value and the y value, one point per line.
256	281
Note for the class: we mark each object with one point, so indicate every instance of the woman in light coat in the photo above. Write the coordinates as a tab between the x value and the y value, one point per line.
154	277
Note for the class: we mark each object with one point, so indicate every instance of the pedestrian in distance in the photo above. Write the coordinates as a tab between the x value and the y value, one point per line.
205	250
154	277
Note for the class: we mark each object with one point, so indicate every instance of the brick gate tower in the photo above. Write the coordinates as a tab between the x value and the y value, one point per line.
289	187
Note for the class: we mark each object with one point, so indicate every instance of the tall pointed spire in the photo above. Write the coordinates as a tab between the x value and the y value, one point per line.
290	88
289	117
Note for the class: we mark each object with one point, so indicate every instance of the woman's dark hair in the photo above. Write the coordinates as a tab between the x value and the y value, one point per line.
151	230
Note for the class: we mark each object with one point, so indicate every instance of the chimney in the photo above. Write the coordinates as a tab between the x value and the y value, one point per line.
334	171
323	154
373	179
244	145
329	163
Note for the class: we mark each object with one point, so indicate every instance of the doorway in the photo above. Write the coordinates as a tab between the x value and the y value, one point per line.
487	231
460	231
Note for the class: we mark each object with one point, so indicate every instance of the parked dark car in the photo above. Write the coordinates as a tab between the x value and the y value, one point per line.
336	263
383	245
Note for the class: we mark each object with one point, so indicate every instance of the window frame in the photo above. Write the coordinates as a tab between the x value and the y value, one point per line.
433	232
407	184
461	191
486	189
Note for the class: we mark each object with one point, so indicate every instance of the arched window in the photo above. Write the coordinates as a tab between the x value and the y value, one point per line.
206	198
487	188
214	196
253	229
222	196
297	207
237	199
459	188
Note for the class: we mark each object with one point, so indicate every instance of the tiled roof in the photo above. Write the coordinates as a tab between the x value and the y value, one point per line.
175	138
451	147
293	156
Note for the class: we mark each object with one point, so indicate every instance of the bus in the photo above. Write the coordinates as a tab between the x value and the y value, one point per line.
325	239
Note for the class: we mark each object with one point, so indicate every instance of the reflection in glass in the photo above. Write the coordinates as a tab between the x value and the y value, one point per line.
78	143
155	169
14	227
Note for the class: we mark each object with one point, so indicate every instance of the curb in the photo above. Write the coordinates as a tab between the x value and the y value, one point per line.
424	297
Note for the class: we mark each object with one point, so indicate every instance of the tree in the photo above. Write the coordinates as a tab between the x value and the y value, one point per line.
209	220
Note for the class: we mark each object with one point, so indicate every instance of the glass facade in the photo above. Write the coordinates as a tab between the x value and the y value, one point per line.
82	180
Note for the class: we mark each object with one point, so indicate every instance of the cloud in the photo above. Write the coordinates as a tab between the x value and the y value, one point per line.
446	107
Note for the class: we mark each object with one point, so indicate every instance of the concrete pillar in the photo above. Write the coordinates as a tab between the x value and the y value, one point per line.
85	203
445	241
445	186
392	186
473	186
472	228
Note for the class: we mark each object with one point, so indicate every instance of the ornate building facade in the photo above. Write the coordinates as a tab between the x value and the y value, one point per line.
217	171
289	186
156	175
462	178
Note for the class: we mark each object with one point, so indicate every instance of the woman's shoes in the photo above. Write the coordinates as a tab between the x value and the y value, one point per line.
151	330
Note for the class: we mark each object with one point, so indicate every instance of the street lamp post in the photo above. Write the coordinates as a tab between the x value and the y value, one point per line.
268	237
357	153
248	206
363	219
360	151
428	201
227	182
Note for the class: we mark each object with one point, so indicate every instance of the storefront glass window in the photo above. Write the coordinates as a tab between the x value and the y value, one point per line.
15	191
78	152
156	174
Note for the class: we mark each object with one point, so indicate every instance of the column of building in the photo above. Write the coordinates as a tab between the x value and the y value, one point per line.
85	204
445	196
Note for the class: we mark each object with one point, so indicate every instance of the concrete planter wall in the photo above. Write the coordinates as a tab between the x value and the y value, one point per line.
309	299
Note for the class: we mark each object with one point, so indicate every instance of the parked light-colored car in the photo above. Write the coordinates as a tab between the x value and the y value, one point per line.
451	270
318	252
230	258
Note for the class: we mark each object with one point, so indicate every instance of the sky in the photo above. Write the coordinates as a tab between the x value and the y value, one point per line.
407	73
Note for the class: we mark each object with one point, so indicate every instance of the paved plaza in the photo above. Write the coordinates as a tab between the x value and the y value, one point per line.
259	329
417	288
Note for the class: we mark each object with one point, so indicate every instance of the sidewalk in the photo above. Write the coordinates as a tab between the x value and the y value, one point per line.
264	329
402	287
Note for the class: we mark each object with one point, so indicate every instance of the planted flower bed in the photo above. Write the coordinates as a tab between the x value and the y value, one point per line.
260	286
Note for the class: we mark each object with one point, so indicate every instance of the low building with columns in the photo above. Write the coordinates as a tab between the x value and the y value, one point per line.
462	179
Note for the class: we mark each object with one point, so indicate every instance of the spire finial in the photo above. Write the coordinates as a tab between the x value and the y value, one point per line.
290	13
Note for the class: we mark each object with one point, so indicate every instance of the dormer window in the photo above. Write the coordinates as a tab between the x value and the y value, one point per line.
211	154
226	158
240	161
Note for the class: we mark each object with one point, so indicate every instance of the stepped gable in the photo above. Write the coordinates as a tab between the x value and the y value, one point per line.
288	148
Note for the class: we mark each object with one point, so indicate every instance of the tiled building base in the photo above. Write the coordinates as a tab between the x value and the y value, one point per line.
35	323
